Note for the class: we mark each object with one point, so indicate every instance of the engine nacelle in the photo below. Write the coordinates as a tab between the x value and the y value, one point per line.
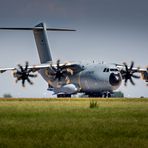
145	76
69	89
65	89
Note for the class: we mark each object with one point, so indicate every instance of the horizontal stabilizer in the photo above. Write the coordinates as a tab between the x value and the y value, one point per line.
36	28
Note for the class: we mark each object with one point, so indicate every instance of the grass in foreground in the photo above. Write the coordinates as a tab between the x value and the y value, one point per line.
72	123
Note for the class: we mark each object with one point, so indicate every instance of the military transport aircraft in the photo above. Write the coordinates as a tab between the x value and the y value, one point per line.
65	79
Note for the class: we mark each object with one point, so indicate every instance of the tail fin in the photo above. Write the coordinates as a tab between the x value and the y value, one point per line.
42	43
40	34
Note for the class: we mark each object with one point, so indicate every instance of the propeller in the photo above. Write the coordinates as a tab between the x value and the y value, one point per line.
128	74
147	76
23	74
60	72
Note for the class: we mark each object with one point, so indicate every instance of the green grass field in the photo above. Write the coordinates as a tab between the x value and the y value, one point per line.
71	123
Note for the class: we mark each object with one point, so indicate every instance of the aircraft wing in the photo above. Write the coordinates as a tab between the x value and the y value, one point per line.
24	73
134	69
33	68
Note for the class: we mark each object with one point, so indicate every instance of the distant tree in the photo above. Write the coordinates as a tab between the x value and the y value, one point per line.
7	96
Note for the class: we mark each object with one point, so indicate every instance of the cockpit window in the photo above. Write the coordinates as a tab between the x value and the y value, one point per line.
106	70
113	69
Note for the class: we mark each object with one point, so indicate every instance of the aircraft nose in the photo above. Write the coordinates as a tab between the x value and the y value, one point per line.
115	79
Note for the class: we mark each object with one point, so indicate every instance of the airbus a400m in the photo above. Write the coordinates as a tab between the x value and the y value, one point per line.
65	79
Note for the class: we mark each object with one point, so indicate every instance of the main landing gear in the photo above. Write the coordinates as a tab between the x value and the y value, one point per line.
100	95
63	95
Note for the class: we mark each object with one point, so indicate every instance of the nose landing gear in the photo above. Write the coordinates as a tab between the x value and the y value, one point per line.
106	95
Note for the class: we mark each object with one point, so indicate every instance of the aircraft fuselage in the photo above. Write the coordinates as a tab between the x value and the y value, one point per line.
95	78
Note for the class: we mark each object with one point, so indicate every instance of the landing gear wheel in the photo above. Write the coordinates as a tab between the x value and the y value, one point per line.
95	95
109	95
63	95
104	95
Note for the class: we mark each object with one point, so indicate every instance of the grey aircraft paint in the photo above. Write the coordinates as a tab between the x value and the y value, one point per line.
42	43
92	79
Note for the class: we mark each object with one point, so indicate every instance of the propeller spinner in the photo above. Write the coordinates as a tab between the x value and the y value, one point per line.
60	72
128	74
23	74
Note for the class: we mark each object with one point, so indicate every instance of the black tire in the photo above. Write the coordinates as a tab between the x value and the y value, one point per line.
63	95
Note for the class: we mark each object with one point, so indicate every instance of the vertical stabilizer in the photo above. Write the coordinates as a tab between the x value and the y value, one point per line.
41	40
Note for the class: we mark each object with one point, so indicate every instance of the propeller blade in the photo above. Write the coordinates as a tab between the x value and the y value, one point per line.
135	76
126	67
21	68
26	67
131	80
125	82
58	64
54	68
64	66
30	70
32	75
132	65
18	73
23	82
30	82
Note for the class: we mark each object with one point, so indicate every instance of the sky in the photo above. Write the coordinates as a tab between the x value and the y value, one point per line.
112	31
